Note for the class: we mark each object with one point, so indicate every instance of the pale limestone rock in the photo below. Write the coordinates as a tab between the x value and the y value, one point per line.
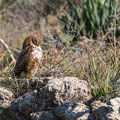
55	92
6	96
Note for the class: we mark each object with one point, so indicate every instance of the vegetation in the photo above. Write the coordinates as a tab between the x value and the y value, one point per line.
89	24
92	17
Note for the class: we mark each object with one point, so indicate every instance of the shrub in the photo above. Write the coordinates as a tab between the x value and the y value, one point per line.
88	19
103	72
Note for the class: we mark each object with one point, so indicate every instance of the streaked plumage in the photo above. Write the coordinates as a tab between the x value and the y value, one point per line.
29	58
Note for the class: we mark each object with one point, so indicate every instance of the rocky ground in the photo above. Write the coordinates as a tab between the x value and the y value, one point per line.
64	98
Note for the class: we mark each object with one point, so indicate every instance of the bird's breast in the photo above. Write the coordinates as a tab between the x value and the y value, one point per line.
37	53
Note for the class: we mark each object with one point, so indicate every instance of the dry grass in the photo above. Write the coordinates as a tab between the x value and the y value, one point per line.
93	60
97	65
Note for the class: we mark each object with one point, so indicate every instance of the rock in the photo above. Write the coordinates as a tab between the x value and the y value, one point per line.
26	103
73	111
117	86
43	115
21	108
56	91
102	111
115	104
6	96
68	89
113	116
8	114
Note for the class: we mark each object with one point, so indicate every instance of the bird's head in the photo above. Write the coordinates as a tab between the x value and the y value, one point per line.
32	40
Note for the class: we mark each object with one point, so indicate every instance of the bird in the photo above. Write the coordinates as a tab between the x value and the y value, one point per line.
30	57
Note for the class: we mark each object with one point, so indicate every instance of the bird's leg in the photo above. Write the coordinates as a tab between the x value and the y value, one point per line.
28	84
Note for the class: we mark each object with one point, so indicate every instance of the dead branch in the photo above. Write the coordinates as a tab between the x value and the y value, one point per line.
7	47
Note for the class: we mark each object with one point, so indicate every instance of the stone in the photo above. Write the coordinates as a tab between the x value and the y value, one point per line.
68	89
73	111
99	110
26	103
102	111
115	102
55	92
43	115
58	90
6	96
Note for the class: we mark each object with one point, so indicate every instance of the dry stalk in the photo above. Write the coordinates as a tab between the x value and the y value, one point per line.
7	47
10	52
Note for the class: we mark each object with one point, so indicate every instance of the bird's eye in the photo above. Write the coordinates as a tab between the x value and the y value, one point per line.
34	41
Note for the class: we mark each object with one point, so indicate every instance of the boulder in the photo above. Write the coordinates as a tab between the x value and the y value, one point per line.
58	90
55	92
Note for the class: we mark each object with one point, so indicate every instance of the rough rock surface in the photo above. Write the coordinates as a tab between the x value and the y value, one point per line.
73	111
115	104
43	115
6	96
26	104
56	91
68	89
62	98
102	111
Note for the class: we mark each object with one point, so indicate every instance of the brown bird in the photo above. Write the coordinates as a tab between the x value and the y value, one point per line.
29	58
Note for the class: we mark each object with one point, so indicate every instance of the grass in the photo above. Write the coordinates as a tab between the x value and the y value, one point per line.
100	69
97	65
103	74
87	59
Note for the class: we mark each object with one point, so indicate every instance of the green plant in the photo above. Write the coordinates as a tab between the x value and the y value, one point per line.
102	75
88	19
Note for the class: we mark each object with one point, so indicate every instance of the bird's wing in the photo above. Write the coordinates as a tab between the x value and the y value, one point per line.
22	60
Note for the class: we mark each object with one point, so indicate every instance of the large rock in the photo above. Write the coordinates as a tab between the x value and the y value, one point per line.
6	96
56	91
73	111
68	89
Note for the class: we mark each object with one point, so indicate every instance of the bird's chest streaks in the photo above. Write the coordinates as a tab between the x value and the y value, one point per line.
37	53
